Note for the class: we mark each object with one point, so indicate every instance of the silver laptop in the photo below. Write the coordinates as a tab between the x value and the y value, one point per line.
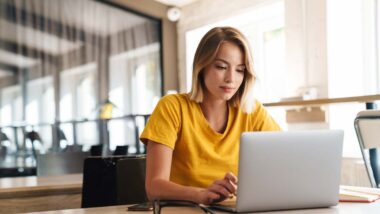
287	170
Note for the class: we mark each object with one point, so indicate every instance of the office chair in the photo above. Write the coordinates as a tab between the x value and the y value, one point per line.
131	180
73	148
96	150
62	137
113	180
60	163
3	149
367	127
3	152
3	137
121	150
33	136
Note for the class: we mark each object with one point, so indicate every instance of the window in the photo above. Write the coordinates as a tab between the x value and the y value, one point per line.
78	101
40	101
135	80
11	113
352	63
40	110
264	28
11	105
86	53
78	92
135	88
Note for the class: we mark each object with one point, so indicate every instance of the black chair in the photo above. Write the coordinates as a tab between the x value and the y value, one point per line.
96	150
34	137
3	152
121	150
113	180
3	137
3	149
60	163
131	180
62	137
73	148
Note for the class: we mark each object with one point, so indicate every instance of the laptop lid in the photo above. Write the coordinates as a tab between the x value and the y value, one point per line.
289	170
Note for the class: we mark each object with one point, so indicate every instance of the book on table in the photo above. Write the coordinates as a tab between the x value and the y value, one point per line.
358	194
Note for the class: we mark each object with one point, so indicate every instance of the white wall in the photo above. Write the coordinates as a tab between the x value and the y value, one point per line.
306	52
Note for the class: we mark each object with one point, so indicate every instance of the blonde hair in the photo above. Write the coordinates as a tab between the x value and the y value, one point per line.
206	53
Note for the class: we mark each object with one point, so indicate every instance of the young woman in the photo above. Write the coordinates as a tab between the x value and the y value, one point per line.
193	139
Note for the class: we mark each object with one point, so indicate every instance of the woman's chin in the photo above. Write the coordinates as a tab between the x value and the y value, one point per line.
227	97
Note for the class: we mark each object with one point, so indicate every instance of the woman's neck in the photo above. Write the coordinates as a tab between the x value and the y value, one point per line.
213	107
216	113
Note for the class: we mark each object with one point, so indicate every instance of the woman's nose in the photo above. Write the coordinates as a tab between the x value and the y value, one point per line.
229	76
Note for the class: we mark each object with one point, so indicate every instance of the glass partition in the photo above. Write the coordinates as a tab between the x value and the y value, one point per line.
62	61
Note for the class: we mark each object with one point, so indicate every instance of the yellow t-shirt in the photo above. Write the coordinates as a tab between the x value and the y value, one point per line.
200	154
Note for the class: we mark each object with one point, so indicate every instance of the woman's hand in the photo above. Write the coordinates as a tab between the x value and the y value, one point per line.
219	190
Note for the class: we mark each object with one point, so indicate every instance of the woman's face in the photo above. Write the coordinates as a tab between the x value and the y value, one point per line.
225	74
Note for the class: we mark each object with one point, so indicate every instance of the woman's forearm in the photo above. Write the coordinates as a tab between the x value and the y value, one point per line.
163	189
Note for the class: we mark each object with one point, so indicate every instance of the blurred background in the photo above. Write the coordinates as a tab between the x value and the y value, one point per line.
84	75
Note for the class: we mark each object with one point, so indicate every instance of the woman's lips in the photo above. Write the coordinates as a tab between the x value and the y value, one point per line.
227	89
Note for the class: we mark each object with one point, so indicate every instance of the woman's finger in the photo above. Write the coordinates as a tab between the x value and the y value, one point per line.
211	197
231	177
228	185
219	189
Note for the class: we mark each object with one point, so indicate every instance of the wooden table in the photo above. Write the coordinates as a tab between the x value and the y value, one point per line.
342	208
32	193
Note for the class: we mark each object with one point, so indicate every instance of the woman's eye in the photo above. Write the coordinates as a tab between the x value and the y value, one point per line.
240	70
221	67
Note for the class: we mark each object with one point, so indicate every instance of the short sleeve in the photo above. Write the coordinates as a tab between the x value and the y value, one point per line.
164	123
262	120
